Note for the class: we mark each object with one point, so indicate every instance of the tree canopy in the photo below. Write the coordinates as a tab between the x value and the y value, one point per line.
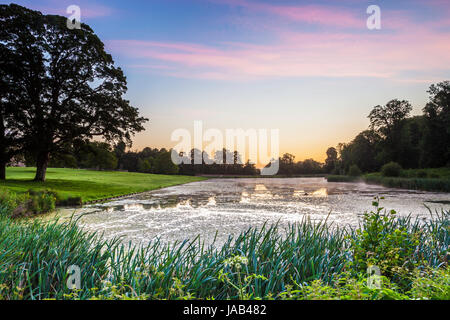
394	136
66	85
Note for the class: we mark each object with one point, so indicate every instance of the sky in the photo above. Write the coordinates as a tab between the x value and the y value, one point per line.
311	69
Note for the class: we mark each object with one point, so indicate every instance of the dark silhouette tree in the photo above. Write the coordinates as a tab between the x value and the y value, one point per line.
437	133
73	91
331	160
15	72
387	121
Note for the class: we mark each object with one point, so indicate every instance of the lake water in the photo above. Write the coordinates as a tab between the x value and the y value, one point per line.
229	206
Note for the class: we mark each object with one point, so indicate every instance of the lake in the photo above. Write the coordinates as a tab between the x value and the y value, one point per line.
223	207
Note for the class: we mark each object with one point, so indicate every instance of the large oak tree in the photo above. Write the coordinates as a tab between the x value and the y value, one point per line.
67	85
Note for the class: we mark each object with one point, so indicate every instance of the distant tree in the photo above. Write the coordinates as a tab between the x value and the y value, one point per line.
364	150
287	165
97	155
437	133
354	171
73	91
391	169
331	160
63	161
119	151
163	164
250	168
387	121
144	165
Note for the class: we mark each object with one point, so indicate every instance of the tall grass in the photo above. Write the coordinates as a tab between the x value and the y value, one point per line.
35	256
426	184
412	183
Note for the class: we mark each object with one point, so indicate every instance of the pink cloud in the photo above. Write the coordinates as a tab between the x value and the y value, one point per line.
401	47
299	55
312	14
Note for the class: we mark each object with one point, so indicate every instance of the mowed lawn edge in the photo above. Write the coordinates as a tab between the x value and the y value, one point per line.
90	185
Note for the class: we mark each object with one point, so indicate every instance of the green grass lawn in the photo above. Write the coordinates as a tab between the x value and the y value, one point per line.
89	184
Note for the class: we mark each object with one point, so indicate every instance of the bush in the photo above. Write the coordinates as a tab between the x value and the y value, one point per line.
421	174
26	204
70	201
427	184
431	284
354	171
384	242
391	169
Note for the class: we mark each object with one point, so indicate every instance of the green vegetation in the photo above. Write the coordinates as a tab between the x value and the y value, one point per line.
396	140
435	179
89	185
391	169
354	171
426	184
305	261
342	178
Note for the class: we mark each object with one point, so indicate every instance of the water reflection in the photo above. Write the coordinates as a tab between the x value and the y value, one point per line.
230	206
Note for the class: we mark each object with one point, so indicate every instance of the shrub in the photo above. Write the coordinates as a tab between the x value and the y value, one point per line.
387	244
431	284
70	201
421	174
26	204
354	171
391	169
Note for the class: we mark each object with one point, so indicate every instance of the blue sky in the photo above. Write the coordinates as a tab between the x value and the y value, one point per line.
309	68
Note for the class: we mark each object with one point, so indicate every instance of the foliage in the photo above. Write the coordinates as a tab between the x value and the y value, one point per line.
413	142
345	287
431	284
26	204
436	140
354	171
66	85
331	161
340	178
391	169
381	241
289	167
427	184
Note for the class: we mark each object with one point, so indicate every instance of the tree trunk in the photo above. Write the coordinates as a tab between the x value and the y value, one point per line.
41	164
2	170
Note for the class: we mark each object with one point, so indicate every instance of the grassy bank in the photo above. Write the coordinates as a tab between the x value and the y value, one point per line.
436	179
306	261
425	184
90	185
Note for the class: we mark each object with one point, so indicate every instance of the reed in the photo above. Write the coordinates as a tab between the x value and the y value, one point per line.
35	256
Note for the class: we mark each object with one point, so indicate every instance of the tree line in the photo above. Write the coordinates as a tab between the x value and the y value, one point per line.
394	136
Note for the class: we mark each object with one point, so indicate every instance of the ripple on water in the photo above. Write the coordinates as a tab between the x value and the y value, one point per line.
230	206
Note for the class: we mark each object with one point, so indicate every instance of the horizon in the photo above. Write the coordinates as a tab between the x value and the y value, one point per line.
309	68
